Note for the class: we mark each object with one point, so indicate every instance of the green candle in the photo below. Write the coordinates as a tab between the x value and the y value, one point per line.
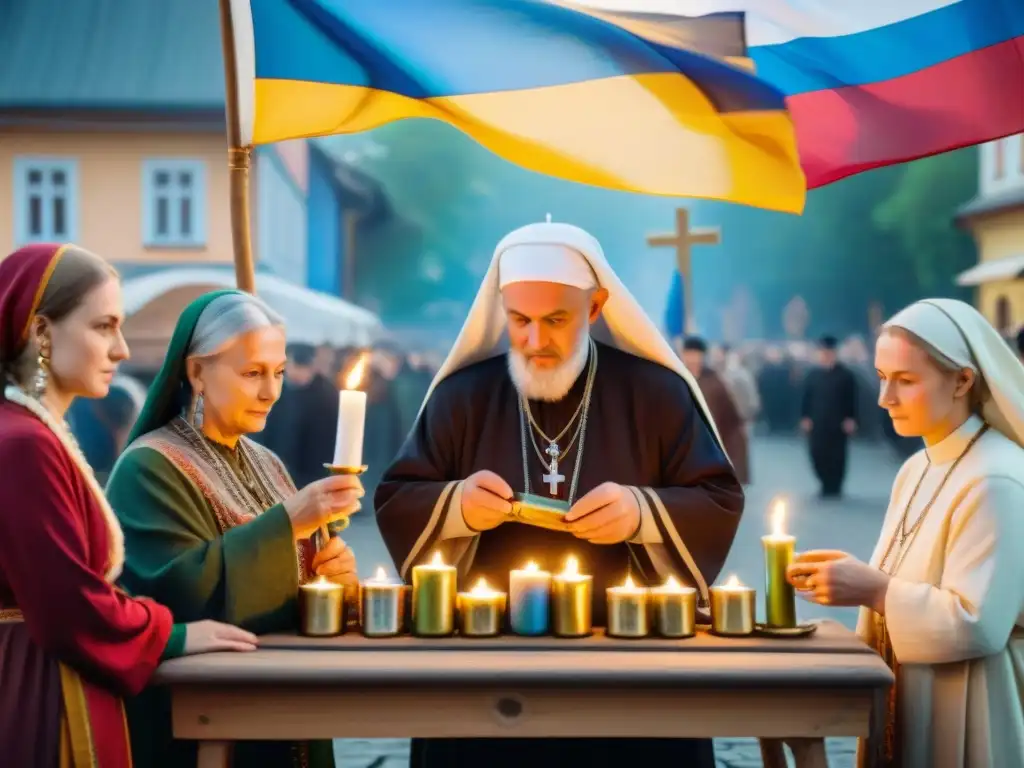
779	596
433	598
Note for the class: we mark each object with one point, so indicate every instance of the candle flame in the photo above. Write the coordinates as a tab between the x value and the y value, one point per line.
733	582
481	588
438	561
572	566
531	566
779	518
355	375
381	574
322	581
671	583
628	583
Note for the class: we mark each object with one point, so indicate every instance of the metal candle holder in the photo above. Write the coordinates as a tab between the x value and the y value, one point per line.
628	615
675	610
342	523
732	610
382	607
481	612
321	609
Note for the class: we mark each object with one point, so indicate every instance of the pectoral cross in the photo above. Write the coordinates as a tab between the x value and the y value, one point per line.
553	478
681	240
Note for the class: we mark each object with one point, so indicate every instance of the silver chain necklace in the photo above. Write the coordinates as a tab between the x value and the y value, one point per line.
553	478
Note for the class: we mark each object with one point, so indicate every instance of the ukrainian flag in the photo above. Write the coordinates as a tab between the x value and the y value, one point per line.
627	101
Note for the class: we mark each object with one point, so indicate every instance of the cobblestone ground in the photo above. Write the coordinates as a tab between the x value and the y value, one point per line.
780	466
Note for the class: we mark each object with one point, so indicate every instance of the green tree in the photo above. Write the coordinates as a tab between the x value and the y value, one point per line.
920	212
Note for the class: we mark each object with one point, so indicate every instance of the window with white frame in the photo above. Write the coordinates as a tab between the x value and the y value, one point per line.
174	203
45	199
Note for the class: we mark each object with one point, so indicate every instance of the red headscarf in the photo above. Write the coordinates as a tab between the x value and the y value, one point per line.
23	279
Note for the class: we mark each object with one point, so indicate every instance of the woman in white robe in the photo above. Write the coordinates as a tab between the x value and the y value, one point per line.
942	599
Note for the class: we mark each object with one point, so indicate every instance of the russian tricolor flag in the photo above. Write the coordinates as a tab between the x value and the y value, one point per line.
876	82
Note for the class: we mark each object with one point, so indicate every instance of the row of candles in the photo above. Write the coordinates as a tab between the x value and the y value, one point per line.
541	603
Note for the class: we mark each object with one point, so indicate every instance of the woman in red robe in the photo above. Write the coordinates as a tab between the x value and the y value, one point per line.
71	643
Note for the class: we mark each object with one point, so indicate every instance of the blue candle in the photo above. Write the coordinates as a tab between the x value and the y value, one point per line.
529	600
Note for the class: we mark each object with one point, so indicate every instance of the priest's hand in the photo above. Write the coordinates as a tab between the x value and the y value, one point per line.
486	500
609	514
322	502
336	562
210	636
833	577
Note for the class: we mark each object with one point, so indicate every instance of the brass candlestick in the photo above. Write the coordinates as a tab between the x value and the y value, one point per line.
433	598
342	523
627	611
675	609
571	601
321	608
732	609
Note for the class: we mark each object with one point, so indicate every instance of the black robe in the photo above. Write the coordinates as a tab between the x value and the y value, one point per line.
644	430
830	397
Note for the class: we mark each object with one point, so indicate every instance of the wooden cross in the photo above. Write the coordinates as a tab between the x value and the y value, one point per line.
681	240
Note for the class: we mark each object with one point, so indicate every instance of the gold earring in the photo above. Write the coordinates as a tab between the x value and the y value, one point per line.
42	376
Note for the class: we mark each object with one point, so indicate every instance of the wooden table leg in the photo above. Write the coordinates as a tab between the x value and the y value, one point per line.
808	753
214	754
773	753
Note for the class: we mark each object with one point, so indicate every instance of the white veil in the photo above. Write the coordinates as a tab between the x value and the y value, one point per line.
963	335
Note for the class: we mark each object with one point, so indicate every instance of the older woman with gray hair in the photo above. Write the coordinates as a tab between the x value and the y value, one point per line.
214	527
942	598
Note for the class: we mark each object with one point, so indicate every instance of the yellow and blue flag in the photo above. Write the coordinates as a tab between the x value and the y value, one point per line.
628	101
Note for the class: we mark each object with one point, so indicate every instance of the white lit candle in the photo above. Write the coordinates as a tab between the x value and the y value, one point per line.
348	448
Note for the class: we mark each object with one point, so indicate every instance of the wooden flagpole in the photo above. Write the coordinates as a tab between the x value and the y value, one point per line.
238	159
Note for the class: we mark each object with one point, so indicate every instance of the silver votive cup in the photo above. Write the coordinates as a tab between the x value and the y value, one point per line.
628	612
571	605
732	610
675	611
321	609
481	615
382	609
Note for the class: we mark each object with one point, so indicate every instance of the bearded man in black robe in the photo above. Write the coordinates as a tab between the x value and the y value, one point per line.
618	429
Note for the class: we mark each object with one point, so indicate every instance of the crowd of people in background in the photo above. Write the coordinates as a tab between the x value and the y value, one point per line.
825	390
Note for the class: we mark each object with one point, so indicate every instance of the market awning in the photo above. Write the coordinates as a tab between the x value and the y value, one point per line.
1006	268
153	302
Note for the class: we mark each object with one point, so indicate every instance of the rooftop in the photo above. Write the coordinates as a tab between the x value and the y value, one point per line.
134	55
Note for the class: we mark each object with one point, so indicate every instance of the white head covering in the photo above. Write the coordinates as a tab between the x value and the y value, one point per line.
544	263
567	250
962	334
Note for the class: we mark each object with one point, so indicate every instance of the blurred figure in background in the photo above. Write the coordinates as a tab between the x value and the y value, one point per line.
723	409
742	386
778	397
302	426
829	417
101	426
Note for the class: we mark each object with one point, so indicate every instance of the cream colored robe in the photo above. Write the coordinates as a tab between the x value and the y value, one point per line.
954	603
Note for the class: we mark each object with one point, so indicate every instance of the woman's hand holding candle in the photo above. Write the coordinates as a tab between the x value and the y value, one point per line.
336	562
833	577
322	502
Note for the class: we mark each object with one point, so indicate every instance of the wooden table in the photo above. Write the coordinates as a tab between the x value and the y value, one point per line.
793	691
